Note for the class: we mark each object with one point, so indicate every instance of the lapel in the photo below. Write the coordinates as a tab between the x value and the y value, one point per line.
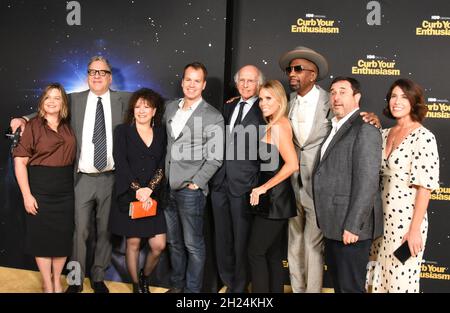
189	127
321	113
252	115
116	107
341	132
136	139
170	113
229	110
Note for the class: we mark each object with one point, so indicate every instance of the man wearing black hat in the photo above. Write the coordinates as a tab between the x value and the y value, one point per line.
310	115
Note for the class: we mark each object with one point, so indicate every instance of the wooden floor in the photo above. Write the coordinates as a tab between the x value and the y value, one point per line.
23	281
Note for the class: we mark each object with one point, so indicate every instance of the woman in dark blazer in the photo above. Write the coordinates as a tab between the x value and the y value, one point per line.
139	152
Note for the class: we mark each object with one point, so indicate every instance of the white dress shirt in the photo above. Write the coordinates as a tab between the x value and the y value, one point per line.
247	107
181	117
336	125
302	116
86	162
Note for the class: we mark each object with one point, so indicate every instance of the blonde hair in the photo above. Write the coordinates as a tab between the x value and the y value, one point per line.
276	89
64	112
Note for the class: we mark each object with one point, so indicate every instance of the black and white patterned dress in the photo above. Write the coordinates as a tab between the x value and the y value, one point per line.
414	162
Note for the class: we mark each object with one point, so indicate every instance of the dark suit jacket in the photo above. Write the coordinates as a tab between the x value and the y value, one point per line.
242	174
134	161
346	182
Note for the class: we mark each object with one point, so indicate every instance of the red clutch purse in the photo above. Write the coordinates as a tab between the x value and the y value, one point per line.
137	210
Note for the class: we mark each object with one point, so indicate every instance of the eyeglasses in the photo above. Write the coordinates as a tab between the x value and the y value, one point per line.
297	69
100	72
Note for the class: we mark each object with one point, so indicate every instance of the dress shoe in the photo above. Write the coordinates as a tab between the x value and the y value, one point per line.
74	289
175	290
99	287
143	282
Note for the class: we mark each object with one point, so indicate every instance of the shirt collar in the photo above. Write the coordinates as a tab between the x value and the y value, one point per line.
249	101
311	97
192	107
106	95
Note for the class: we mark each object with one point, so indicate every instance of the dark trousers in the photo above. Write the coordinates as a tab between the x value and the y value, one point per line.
347	264
232	226
265	254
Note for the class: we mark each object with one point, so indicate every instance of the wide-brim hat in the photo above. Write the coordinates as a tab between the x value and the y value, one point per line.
308	54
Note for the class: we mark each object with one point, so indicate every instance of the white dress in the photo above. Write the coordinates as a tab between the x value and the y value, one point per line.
414	162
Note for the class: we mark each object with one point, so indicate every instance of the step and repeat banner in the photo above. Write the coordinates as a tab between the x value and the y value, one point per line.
149	42
377	42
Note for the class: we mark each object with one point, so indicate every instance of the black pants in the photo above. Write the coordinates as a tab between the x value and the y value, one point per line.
232	226
347	264
266	254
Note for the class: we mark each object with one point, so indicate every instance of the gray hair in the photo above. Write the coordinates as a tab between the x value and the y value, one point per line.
99	58
261	78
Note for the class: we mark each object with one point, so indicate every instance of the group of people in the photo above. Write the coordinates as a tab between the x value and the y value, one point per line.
316	165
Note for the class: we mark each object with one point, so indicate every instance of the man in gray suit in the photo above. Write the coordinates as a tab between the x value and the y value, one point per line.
346	189
94	115
195	140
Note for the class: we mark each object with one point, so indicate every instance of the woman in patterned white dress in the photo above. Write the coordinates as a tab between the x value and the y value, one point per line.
409	172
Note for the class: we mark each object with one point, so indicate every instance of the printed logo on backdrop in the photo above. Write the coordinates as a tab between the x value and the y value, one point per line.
441	194
432	270
375	65
435	26
438	108
314	23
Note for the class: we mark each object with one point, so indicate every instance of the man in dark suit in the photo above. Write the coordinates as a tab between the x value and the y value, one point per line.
346	188
236	178
94	115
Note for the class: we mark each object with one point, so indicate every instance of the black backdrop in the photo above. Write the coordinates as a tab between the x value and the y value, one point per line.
149	42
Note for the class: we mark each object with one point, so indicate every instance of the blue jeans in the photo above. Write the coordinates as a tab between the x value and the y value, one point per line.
184	217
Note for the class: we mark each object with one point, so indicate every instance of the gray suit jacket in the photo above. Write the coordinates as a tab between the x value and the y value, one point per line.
78	101
346	182
308	153
197	153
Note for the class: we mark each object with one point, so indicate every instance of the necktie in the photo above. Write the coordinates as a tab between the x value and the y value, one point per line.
239	116
99	137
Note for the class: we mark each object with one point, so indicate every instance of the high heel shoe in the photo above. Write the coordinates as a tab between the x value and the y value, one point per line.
143	282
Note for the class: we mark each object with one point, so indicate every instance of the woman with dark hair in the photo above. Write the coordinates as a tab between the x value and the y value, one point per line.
409	171
43	162
139	152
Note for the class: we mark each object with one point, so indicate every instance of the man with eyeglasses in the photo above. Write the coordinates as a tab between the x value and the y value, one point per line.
310	116
236	178
94	115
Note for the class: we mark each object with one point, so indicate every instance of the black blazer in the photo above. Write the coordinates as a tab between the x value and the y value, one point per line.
242	175
134	161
